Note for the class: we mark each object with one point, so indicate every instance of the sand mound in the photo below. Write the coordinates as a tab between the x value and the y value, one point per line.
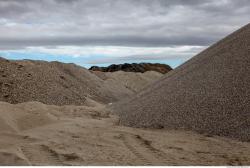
23	116
128	82
54	83
210	93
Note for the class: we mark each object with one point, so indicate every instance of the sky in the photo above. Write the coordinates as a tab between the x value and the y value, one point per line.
103	32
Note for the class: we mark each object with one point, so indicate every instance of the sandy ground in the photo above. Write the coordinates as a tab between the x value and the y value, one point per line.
37	134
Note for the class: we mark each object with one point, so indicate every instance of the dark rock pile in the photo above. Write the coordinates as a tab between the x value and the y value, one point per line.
141	67
209	93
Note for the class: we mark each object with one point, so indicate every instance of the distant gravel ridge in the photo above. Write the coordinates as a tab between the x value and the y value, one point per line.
134	67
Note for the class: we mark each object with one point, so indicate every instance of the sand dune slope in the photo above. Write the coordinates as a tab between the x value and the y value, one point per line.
128	82
209	93
37	134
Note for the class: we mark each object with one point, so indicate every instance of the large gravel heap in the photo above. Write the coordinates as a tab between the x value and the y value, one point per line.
55	83
209	93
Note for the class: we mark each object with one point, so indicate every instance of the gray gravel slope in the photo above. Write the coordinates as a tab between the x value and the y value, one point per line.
209	93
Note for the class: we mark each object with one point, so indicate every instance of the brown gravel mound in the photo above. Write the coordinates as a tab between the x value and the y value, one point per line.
55	83
210	93
49	83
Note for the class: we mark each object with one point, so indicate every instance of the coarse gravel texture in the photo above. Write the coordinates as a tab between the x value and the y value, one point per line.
209	93
56	83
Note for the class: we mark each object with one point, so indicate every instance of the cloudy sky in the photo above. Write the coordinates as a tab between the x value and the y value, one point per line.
102	32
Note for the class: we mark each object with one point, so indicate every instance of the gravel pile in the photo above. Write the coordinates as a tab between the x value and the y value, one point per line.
49	83
55	83
209	93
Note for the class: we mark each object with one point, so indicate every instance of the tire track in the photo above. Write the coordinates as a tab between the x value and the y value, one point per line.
40	155
143	149
126	140
160	155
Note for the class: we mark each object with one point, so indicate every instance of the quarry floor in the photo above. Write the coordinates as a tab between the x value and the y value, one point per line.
37	134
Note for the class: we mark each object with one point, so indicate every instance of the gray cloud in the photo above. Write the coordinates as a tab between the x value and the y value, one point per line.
148	23
148	56
130	41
